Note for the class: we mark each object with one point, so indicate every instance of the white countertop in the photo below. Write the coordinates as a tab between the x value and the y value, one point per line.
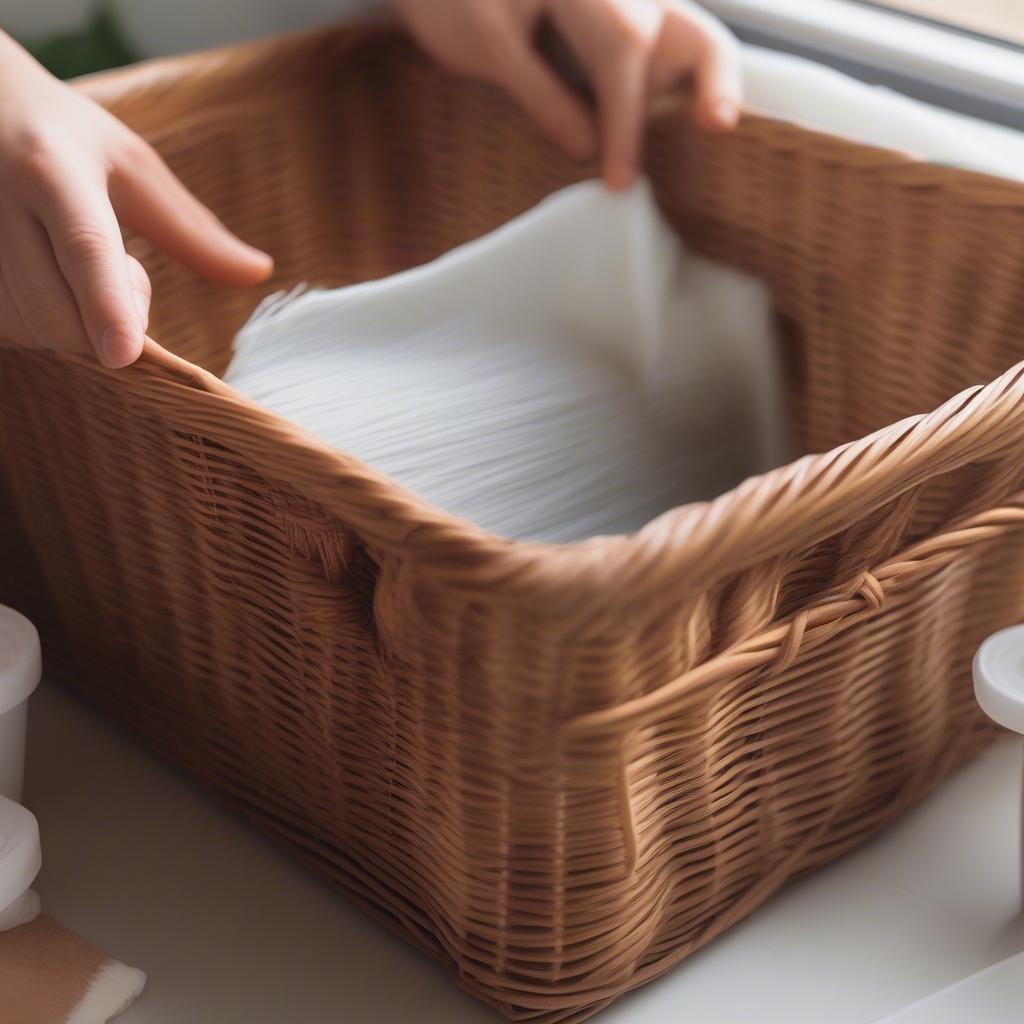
231	932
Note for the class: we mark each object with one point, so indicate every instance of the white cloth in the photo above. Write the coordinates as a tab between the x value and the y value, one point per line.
820	97
576	372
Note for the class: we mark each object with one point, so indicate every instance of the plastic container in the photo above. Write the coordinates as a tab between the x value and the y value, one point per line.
21	668
20	861
999	678
999	689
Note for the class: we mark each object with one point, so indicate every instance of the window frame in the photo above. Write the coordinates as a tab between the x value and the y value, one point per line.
893	7
940	64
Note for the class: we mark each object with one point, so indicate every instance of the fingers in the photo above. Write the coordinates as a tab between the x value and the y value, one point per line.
615	42
12	329
65	278
491	41
87	243
142	289
628	48
39	307
545	98
622	94
632	47
67	275
150	200
717	82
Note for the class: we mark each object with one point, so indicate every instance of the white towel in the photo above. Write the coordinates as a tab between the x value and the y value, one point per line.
818	96
576	372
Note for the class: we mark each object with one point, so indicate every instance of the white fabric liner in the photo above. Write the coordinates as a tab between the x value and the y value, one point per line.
800	90
578	371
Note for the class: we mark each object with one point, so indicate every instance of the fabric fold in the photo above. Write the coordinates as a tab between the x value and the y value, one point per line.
579	371
49	975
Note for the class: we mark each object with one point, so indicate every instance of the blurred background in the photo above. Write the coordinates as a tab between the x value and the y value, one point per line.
999	18
77	36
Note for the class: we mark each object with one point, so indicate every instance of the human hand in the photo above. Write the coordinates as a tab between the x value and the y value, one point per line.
71	175
632	50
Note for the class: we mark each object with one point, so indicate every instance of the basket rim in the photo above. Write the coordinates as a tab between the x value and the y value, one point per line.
811	498
691	545
223	73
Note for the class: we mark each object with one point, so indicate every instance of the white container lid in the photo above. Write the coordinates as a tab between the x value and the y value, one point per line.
21	663
999	677
20	853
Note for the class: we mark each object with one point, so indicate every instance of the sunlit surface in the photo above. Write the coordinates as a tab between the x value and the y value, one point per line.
1001	18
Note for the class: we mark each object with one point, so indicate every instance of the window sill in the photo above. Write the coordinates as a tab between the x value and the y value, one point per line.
956	70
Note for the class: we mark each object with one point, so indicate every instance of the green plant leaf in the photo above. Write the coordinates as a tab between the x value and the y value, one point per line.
96	46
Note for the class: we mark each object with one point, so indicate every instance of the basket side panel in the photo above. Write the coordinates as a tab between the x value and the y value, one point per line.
409	740
228	621
898	284
802	763
734	787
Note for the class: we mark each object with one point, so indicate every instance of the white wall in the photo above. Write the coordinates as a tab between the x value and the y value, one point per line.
24	17
173	26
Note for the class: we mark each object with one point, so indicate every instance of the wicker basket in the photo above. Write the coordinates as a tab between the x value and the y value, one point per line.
559	769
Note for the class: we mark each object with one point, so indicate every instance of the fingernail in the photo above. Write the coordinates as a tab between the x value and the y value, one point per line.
142	305
726	113
118	347
618	179
258	254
